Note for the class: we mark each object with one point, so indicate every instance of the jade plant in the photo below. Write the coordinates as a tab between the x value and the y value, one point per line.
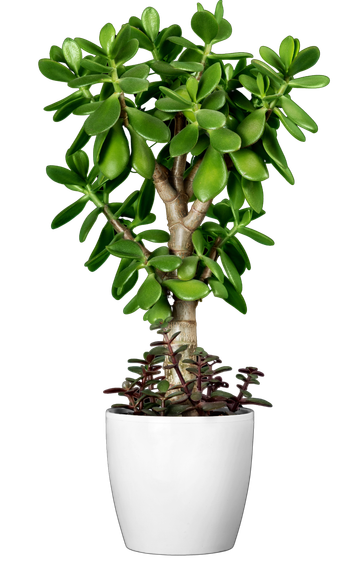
199	131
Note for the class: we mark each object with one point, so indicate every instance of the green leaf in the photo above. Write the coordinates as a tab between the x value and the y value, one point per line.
208	119
191	66
149	127
88	224
202	143
165	262
99	254
286	51
272	148
143	40
69	213
107	37
140	71
250	84
224	31
146	199
251	129
62	175
123	276
55	70
243	103
105	116
310	82
143	160
133	85
218	288
114	155
209	81
94	66
87	108
120	292
80	141
235	191
223	211
164	68
265	69
205	26
290	126
56	54
257	236
253	192
126	204
174	95
67	109
259	401
187	270
160	310
187	290
249	165
198	242
285	172
231	271
126	248
156	236
89	80
79	163
234	298
306	58
298	115
219	11
89	47
127	52
225	140
211	177
184	141
72	54
163	386
230	56
272	58
132	306
149	292
182	42
58	104
214	101
240	249
169	105
192	87
214	267
151	22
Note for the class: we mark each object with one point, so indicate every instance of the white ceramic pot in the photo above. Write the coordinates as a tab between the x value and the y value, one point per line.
179	483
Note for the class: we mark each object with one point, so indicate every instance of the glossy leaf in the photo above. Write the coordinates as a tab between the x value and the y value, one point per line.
285	172
127	52
214	101
56	54
143	40
298	115
151	23
79	163
146	199
62	175
114	155
187	270
94	66
190	66
69	213
224	31
156	236
235	191
234	298
149	292
143	160
160	310
310	82
202	144
184	141
198	242
249	165
272	147
286	51
125	206
171	106
140	71
55	70
257	236
58	104
211	177
218	289
251	129
250	84
260	402
187	290
123	276
99	254
225	140
272	58
235	243
107	37
306	58
265	69
214	267
231	271
87	108
105	116
149	127
133	85
242	102
222	211
89	47
230	56
205	26
253	192
88	224
290	126
67	109
88	80
165	262
208	119
126	248
98	144
120	292
73	55
209	81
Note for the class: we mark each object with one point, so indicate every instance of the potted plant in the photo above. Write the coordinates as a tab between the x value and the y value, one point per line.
179	430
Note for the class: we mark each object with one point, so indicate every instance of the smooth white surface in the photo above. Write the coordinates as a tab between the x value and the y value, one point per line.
192	480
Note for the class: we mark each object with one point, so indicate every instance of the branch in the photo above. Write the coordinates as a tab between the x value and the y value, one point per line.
160	177
196	215
121	228
213	255
178	168
190	179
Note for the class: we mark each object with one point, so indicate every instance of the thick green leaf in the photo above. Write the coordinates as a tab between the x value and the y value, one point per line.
211	177
306	58
143	40
58	104
163	386
235	191
285	172
218	288
114	155
99	254
89	47
286	51
243	103
272	148
310	82
230	56
250	84
105	116
205	26
184	141
202	144
88	224
107	37
88	80
72	54
161	310
87	108
149	127
187	270
80	141
234	298
192	87
231	271
62	175
94	66
290	126
225	140
156	236
182	42
191	66
272	58
120	292
175	95
224	31
249	164
298	115
56	54
257	236
223	211
165	262
143	160
198	242
123	276
151	22
140	71
208	119
67	109
265	69
209	81
214	267
79	163
214	101
235	243
187	290
125	206
133	84
169	105
149	292
126	248
251	129
55	70
69	213
127	52
146	199
253	192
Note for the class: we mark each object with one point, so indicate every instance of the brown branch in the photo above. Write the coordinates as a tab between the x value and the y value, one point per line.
213	255
124	114
188	189
121	228
177	171
196	215
165	190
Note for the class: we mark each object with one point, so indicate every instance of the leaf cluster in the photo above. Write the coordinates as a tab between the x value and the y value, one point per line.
151	394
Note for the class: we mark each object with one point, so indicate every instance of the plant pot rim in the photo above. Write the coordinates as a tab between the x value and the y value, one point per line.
246	414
